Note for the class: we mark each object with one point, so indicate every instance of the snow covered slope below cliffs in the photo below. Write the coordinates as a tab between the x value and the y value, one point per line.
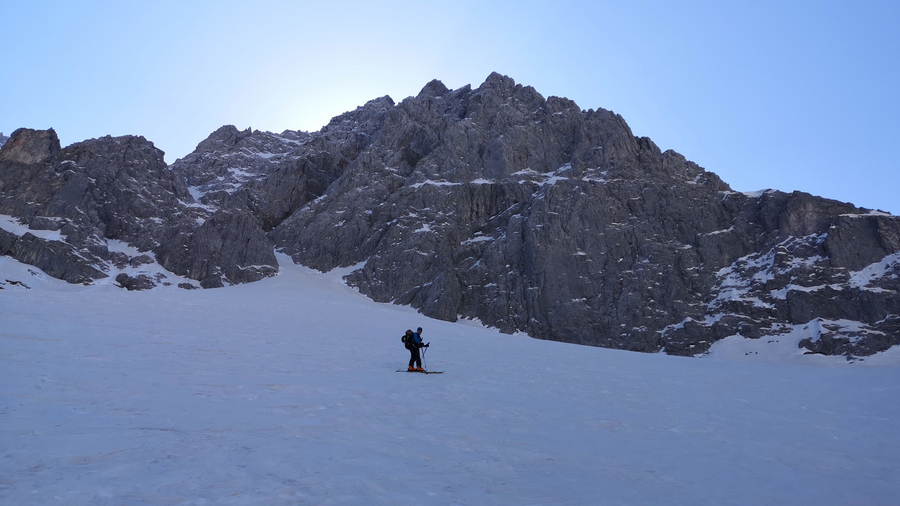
284	391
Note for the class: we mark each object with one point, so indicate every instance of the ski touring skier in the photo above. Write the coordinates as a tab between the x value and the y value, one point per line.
413	342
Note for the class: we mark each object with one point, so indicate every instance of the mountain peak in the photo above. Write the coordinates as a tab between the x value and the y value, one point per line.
29	146
434	88
498	80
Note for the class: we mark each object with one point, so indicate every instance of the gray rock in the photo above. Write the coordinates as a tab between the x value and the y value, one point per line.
229	247
56	258
120	189
139	282
29	146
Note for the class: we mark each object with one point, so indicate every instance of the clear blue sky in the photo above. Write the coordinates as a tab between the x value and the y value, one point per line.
798	95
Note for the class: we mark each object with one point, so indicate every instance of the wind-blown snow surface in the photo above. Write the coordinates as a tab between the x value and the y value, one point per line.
284	391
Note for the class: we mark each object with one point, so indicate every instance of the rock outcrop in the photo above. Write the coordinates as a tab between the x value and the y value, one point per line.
118	189
494	203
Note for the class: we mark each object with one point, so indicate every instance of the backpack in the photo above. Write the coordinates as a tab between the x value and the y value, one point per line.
407	338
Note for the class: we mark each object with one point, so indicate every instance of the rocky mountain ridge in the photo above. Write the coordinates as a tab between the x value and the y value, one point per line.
495	203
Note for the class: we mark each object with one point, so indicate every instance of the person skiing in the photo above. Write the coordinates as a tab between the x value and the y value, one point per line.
413	343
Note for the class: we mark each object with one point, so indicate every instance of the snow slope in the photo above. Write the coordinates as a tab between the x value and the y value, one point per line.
284	391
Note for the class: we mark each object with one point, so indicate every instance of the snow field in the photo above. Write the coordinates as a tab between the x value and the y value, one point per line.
284	391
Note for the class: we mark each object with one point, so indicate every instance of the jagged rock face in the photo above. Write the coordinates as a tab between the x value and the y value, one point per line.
493	203
821	268
56	258
500	205
116	189
276	174
3	139
532	215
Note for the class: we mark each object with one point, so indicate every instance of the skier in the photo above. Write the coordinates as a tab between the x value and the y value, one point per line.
413	343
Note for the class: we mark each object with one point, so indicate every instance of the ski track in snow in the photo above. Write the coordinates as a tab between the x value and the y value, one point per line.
284	391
